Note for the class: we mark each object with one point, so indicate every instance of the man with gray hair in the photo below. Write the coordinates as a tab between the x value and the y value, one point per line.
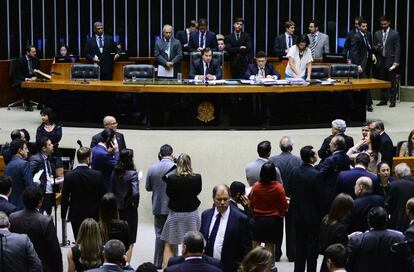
338	128
99	49
168	51
387	147
287	162
400	191
17	252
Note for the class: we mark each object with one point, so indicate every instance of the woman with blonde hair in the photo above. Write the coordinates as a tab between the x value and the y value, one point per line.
183	187
257	260
86	254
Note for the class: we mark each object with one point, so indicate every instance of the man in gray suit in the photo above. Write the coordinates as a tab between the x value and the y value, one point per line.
319	42
17	251
168	51
388	51
286	162
253	168
157	186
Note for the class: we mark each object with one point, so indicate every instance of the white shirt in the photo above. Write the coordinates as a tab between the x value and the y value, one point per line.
5	197
218	243
300	63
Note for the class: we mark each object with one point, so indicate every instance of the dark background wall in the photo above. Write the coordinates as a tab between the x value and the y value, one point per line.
136	23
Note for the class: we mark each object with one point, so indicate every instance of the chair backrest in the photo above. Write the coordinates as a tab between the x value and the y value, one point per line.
343	70
84	71
320	71
138	71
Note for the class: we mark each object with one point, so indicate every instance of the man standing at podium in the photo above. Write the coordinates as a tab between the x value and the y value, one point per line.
102	50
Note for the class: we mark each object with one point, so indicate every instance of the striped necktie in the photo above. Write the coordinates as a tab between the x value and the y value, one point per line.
313	44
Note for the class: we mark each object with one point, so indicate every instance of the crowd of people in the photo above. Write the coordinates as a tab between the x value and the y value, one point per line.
345	207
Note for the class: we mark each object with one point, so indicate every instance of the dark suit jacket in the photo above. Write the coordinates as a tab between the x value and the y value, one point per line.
209	260
6	206
210	38
253	70
82	191
42	233
20	172
176	54
280	45
193	265
183	192
109	268
197	69
348	40
392	47
239	58
182	37
357	219
409	233
325	152
347	179
358	52
104	162
237	241
106	59
304	199
21	70
286	162
400	191
119	138
387	149
37	163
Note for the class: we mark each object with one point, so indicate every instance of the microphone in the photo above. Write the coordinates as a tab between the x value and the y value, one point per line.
79	143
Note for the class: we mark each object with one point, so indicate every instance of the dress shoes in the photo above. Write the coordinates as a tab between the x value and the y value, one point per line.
392	105
370	108
382	103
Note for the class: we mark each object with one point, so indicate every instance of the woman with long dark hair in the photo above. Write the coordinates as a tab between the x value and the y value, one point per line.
333	230
300	59
125	186
407	148
373	140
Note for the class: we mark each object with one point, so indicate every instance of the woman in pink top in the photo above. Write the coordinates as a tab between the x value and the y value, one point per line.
269	206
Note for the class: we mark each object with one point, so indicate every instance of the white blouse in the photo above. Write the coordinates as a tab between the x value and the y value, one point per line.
300	63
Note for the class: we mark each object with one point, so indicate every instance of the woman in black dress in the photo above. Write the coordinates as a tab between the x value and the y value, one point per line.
125	186
332	230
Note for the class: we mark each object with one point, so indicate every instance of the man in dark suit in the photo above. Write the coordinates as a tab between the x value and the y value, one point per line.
387	147
192	258
286	162
17	250
346	180
105	156
351	35
23	70
39	228
409	232
239	47
15	134
357	218
284	41
168	52
202	38
305	208
374	250
330	169
100	49
261	69
400	191
20	172
184	35
361	53
82	191
205	68
110	122
338	128
226	231
388	49
5	191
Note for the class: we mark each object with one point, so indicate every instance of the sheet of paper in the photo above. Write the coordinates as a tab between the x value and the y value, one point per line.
36	177
140	174
162	72
247	81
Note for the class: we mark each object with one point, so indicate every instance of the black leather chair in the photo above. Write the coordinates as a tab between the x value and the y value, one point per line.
84	71
320	71
344	70
138	71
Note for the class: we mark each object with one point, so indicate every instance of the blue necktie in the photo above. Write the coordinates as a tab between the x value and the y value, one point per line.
202	40
100	42
212	238
290	41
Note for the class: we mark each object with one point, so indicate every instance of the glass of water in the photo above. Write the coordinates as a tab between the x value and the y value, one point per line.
134	79
179	77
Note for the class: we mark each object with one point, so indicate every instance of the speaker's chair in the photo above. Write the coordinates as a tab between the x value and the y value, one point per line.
138	71
84	71
344	70
319	71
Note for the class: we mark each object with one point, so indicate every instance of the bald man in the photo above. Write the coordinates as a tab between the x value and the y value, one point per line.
110	122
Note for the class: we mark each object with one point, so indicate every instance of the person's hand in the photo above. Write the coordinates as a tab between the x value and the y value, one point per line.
270	76
308	78
360	69
186	45
243	47
169	64
200	49
374	59
286	51
96	59
395	65
116	57
210	77
244	200
298	76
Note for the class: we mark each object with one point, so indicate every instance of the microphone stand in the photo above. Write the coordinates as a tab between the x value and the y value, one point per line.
348	82
84	78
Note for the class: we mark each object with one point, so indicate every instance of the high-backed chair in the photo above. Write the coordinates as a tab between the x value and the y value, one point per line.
138	71
320	71
84	71
344	70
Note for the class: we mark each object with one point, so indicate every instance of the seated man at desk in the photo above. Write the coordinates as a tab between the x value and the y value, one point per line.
261	69
205	68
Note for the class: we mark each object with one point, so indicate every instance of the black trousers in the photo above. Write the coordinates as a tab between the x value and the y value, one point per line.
290	233
306	247
48	203
386	74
